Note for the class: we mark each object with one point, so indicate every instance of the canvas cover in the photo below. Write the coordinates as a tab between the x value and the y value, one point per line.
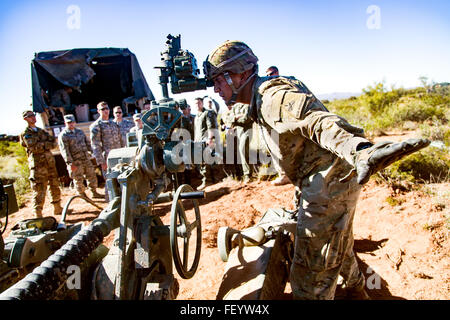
110	74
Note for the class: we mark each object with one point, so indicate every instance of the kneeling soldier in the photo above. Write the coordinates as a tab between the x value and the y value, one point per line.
76	149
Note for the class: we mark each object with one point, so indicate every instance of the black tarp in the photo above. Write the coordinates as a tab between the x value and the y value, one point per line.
102	74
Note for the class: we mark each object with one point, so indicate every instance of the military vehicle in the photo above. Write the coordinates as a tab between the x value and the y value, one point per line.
76	80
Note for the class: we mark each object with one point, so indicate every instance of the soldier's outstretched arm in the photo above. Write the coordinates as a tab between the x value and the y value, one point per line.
302	113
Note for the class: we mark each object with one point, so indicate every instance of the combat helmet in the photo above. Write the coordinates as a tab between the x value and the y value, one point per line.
231	56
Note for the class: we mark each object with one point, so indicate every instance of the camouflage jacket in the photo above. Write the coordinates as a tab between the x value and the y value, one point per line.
125	127
204	121
310	138
238	116
74	145
105	136
38	145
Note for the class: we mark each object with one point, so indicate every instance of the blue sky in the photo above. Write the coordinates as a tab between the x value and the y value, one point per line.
332	46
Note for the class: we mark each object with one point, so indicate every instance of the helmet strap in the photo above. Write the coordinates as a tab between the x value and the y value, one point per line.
235	91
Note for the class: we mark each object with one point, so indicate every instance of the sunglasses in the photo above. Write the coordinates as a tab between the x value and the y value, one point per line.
103	109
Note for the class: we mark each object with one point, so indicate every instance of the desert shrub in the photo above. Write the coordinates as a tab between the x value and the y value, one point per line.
428	165
14	168
436	131
378	98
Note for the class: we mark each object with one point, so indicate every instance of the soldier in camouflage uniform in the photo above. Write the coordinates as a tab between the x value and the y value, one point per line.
75	149
105	136
187	123
125	125
327	158
239	119
38	144
204	125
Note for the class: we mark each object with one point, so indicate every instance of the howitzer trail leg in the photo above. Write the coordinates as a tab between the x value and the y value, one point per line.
266	271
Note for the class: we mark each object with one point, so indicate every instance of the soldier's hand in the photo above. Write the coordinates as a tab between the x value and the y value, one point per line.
73	168
104	166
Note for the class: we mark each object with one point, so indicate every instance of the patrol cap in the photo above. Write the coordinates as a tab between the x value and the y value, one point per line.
69	118
27	113
136	116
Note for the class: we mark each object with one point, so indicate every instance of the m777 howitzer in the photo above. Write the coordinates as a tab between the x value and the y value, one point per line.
139	263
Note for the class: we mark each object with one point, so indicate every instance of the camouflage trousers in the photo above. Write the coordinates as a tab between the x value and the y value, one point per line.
324	240
85	170
39	180
243	138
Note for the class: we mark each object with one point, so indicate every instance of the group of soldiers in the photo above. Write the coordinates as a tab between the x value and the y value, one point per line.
77	151
326	158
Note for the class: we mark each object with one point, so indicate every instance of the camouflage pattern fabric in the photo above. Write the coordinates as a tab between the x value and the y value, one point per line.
125	126
41	162
204	120
75	150
239	119
105	136
316	149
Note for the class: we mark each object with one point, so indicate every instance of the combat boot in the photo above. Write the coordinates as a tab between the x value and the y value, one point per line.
381	155
57	209
96	195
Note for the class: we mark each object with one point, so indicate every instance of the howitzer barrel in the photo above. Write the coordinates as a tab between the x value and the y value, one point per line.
168	196
52	274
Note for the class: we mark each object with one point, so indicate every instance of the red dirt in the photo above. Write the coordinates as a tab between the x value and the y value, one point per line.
406	244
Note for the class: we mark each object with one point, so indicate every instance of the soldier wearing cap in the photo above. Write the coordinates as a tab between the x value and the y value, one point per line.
76	151
105	136
326	158
137	122
124	124
38	144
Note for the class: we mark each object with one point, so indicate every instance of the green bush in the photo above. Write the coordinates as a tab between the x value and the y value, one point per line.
378	98
430	165
14	168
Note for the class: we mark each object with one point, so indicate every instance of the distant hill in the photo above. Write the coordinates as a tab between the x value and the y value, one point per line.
337	95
